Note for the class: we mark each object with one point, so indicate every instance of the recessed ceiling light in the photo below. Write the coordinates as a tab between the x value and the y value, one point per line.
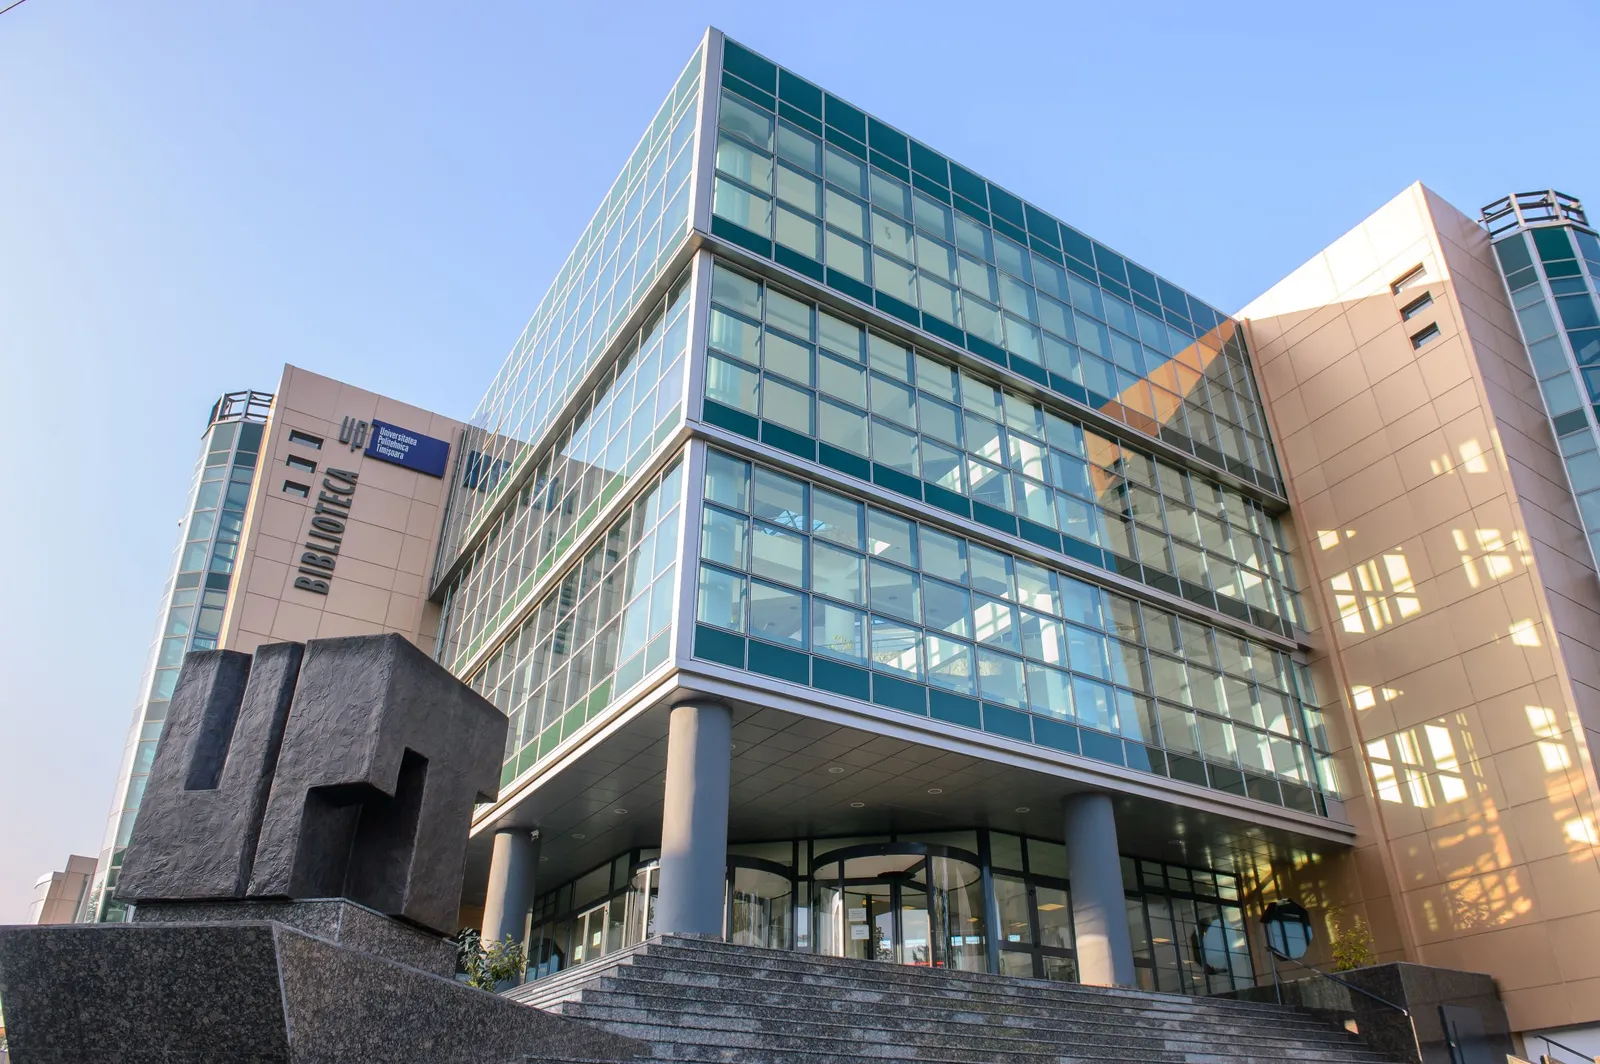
619	812
1022	809
858	805
578	835
836	769
935	790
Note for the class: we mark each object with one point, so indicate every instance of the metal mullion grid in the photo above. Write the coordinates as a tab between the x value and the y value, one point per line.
1277	594
1249	457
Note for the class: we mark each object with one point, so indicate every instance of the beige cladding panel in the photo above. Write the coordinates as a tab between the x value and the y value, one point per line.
1456	612
379	582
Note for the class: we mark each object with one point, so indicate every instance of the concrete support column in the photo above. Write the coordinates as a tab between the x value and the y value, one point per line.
511	885
694	821
1099	913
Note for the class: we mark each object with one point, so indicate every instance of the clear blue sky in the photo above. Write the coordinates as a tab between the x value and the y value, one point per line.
192	194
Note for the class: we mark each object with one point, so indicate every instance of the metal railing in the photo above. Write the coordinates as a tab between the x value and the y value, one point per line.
241	406
1546	1058
1522	209
1275	957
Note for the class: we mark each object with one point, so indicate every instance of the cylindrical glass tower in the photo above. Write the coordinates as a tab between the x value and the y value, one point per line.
193	602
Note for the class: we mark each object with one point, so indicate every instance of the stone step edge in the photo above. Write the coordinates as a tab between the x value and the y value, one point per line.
706	1054
1035	993
769	959
672	993
988	1043
1324	1035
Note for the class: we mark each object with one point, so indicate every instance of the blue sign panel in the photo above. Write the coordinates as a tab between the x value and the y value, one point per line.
406	448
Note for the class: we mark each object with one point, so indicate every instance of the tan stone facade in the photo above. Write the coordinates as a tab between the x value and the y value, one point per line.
1455	607
380	577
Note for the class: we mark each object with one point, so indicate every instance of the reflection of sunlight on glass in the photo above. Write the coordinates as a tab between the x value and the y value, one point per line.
1363	697
1525	633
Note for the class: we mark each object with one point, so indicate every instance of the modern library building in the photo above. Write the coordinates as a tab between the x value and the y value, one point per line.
872	564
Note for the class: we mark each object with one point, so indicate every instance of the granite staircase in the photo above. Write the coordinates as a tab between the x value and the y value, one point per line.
705	1002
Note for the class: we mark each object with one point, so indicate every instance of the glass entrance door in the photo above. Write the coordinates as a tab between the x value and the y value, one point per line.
904	903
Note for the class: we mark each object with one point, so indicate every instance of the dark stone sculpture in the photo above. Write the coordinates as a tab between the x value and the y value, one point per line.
344	768
296	866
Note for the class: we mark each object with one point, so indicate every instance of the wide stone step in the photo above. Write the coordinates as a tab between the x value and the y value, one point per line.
781	1032
624	1004
868	988
804	1053
716	956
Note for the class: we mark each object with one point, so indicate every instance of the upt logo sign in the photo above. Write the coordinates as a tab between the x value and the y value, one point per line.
354	433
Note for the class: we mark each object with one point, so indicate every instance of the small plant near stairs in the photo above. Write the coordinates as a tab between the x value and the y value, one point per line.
487	966
1352	946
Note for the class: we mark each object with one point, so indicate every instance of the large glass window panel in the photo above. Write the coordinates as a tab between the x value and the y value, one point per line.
777	614
727	480
800	232
723	537
1000	678
838	573
741	207
894	278
777	554
891	538
1094	704
846	172
739	160
895	447
721	598
780	499
838	631
894	400
846	213
849	256
739	117
995	623
799	189
842	380
1049	691
842	426
943	466
788	357
892	235
799	148
946	607
732	384
894	591
895	648
787	405
950	664
837	518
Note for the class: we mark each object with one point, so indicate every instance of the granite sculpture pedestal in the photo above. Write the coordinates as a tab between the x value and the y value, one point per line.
317	983
296	871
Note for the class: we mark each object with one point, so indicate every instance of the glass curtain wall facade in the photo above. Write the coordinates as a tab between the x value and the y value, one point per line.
195	596
1549	259
922	900
812	404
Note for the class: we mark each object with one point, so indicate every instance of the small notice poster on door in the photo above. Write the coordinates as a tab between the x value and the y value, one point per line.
858	932
858	916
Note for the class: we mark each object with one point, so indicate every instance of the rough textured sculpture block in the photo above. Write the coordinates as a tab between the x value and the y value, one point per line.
343	768
196	832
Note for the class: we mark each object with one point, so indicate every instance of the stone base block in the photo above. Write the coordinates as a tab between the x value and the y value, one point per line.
337	920
256	993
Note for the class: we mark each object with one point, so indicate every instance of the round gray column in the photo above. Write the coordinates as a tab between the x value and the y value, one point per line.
694	821
511	885
1099	912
